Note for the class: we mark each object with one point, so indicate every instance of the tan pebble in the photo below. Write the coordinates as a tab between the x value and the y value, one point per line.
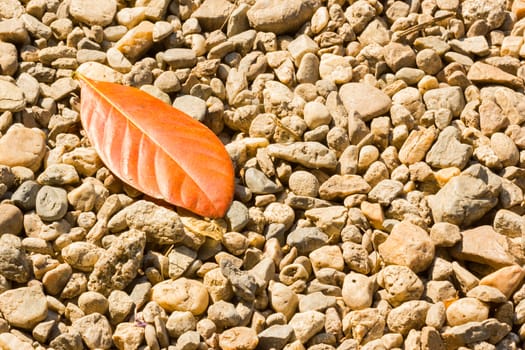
181	295
358	291
327	256
56	279
128	335
91	302
283	299
507	279
444	175
21	146
466	310
238	338
374	213
136	41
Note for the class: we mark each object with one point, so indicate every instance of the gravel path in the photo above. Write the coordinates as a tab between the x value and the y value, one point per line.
379	152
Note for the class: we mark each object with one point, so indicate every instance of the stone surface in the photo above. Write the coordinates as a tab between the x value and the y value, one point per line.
22	146
280	17
24	307
181	295
466	198
93	13
356	97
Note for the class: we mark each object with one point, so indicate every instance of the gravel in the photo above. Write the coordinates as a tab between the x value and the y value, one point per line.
378	148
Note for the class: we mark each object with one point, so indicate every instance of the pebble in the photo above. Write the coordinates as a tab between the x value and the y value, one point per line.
136	41
356	97
307	324
341	186
58	175
306	239
21	146
506	279
11	219
95	331
275	337
24	307
82	255
238	338
278	17
400	284
120	306
119	264
128	335
358	291
466	310
51	203
93	13
180	58
180	322
309	154
181	295
407	316
259	183
193	106
408	245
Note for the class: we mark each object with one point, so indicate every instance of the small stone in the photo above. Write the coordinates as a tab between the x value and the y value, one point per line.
136	41
188	341
400	283
56	279
99	12
449	97
223	314
385	192
358	291
309	154
316	114
275	337
506	279
180	58
161	225
58	175
504	148
238	338
327	256
193	106
487	294
466	198
259	183
306	239
448	151
101	72
308	70
466	310
14	265
398	56
307	324
316	301
8	58
483	245
91	302
181	295
82	255
473	332
334	68
303	183
357	97
407	316
280	17
24	307
180	258
51	203
11	219
21	146
95	331
444	234
161	30
128	335
408	245
213	13
474	45
482	73
416	145
338	187
120	306
180	322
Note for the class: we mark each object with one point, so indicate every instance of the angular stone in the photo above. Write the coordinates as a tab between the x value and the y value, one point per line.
95	331
24	307
181	295
482	73
136	41
448	151
408	245
484	246
467	197
213	13
309	154
450	98
357	97
417	144
11	97
339	187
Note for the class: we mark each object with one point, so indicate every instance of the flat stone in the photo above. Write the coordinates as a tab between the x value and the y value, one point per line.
506	279
407	316
487	294
475	45
275	337
401	284
193	106
180	58
471	332
484	246
408	245
11	219
12	30
307	324
97	12
310	154
24	307
280	17
357	97
338	187
358	291
482	73
466	310
238	338
101	72
259	183
307	239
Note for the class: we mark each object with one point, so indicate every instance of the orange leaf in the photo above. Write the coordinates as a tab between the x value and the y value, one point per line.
156	148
